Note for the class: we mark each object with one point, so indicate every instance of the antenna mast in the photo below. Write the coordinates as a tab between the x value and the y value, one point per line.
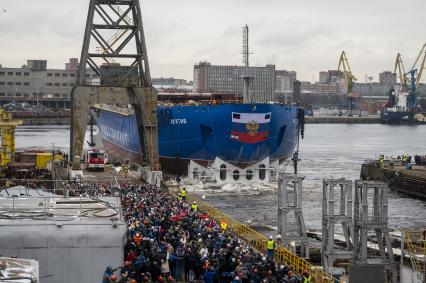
246	46
246	75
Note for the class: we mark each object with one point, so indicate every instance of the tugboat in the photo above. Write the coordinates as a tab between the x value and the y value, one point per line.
397	109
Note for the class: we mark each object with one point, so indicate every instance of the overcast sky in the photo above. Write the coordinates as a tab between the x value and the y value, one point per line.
302	35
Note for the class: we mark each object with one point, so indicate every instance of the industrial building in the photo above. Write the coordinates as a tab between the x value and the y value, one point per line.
229	79
284	81
331	76
387	78
321	88
35	83
69	237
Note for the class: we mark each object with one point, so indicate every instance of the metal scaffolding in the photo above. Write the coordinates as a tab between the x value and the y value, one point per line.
336	207
371	213
292	229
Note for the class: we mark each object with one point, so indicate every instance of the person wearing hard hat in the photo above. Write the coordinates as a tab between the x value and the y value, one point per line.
382	161
223	226
194	206
270	246
306	277
183	194
137	238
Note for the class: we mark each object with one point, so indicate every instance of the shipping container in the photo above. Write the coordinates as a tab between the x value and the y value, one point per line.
42	160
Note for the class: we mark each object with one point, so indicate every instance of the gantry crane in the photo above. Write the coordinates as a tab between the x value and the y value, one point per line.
349	81
116	37
7	131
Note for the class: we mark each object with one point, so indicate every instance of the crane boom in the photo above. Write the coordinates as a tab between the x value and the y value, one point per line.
400	70
418	56
422	65
347	72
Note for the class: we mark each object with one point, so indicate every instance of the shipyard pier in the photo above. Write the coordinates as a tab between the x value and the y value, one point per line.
245	174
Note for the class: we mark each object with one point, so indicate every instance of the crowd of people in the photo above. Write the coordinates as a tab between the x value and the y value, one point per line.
170	240
406	160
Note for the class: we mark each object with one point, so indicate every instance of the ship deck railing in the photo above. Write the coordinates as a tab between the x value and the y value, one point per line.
114	108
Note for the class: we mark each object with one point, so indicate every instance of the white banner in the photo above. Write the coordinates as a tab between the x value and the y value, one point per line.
245	118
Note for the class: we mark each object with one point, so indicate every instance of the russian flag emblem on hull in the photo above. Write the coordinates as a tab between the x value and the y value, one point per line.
250	127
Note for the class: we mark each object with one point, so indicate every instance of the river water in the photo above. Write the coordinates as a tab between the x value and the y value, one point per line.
327	151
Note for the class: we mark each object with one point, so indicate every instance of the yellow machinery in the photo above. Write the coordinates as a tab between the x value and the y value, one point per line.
347	73
422	64
403	75
7	131
349	81
414	243
42	159
400	71
410	80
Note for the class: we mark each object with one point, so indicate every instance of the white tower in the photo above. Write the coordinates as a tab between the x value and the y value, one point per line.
247	77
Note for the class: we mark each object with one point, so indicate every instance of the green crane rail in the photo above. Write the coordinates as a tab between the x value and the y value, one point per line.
258	241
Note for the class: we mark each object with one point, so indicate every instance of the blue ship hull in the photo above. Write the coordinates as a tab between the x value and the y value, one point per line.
203	133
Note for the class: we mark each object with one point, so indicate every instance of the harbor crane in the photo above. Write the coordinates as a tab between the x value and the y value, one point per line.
415	75
350	79
409	81
399	70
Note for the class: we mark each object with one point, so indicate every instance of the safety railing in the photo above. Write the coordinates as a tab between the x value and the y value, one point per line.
73	188
122	110
416	248
258	241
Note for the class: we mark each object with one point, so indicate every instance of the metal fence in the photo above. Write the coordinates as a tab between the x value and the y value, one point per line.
58	186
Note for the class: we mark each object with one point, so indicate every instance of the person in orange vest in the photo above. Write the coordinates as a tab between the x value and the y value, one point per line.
137	238
223	226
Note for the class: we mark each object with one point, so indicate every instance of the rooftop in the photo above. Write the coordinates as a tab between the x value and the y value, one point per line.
19	270
20	205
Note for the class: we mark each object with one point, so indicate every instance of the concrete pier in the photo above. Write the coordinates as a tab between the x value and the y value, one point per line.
411	182
342	120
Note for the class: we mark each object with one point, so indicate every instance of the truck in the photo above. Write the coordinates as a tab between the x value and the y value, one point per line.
95	159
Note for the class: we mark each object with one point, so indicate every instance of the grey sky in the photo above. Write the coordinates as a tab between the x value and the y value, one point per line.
302	35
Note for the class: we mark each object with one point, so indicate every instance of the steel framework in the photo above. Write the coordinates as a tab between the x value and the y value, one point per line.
120	59
371	213
336	207
114	25
290	202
